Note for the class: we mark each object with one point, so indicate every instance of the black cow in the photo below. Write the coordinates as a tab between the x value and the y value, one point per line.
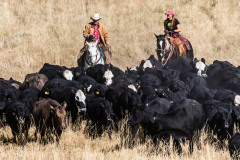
151	62
234	146
181	121
7	95
99	111
220	119
59	84
18	118
227	96
185	65
106	75
75	98
99	90
192	79
30	96
87	81
123	99
216	72
201	93
55	71
177	86
149	80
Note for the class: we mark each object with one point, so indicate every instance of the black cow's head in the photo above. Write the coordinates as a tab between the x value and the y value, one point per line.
17	111
221	116
100	90
130	99
107	110
136	117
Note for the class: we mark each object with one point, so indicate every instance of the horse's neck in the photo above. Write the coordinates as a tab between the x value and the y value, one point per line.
167	44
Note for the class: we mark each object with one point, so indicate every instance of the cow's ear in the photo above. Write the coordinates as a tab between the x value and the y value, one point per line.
203	60
64	104
52	109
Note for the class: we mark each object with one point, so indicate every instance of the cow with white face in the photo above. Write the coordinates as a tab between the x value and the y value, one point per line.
201	68
75	99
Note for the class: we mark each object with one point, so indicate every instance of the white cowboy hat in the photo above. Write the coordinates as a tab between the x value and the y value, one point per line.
96	16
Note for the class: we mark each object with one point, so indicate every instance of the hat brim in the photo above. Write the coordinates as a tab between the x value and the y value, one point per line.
95	18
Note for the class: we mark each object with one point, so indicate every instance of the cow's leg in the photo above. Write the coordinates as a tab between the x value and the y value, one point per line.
58	135
177	145
191	146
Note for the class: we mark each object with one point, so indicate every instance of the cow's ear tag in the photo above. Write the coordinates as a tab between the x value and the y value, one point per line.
52	111
168	89
138	86
46	92
97	92
9	99
154	118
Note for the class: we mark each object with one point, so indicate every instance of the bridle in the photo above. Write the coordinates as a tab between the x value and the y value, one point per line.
165	51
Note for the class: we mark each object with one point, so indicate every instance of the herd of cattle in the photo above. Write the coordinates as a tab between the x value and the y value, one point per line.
177	100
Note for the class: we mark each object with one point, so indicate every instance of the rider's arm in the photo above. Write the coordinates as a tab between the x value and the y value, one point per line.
178	28
86	32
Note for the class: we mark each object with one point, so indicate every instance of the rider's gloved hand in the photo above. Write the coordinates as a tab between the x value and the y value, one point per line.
91	37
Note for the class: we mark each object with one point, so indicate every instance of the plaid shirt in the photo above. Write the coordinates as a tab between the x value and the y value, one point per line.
96	33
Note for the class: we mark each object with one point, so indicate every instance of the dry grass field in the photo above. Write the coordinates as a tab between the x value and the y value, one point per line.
33	32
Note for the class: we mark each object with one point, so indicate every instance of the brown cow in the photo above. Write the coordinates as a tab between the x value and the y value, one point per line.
36	80
49	117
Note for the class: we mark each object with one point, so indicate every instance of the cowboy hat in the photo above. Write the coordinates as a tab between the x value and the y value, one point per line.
96	16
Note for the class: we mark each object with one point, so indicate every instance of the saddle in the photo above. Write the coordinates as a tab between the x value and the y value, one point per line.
181	47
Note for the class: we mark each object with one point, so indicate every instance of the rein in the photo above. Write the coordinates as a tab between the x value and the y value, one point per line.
166	51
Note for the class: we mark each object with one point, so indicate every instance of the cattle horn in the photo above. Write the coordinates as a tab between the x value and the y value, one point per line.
156	35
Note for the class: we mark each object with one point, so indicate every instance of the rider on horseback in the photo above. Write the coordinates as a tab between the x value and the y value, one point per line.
96	31
172	28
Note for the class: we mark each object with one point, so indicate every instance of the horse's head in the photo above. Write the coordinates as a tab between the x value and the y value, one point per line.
93	54
163	46
92	48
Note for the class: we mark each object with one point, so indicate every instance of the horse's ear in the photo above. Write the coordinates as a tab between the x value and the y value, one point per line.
156	35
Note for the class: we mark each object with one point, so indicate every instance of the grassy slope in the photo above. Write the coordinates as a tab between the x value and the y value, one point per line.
32	33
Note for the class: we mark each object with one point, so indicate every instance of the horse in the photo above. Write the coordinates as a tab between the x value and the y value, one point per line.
167	51
93	55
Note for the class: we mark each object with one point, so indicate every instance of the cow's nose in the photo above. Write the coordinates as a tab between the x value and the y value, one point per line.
83	109
109	119
63	127
226	125
21	120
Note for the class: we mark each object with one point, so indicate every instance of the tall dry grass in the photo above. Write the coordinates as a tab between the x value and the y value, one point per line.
75	143
35	32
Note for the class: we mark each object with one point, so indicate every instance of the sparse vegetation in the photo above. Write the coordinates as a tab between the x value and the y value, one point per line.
50	31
